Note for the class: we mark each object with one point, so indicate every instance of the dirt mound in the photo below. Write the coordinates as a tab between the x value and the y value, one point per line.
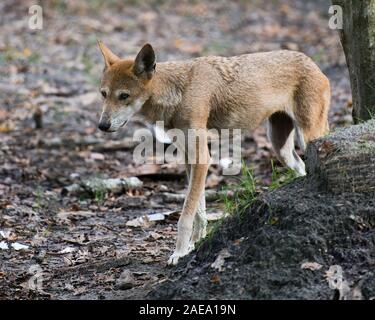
311	239
267	247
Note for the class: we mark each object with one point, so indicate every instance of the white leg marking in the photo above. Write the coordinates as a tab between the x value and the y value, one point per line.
286	153
185	226
200	222
290	157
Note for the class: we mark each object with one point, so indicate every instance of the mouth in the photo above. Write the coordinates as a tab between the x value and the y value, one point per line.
125	122
118	121
111	130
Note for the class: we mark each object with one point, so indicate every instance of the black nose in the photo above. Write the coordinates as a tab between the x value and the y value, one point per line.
104	126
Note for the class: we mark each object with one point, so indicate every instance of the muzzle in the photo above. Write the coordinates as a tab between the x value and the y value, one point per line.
104	123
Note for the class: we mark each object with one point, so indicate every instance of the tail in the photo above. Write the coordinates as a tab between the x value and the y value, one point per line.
311	106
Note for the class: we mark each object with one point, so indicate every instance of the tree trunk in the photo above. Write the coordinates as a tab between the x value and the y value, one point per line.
344	161
358	41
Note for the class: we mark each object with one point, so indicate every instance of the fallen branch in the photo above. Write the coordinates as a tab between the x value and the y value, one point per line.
96	185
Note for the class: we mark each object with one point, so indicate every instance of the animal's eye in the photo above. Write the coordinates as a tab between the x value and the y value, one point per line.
104	94
123	96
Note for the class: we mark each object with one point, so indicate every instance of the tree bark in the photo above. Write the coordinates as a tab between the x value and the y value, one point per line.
358	41
344	161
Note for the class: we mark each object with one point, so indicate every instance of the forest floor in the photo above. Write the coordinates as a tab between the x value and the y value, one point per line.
95	246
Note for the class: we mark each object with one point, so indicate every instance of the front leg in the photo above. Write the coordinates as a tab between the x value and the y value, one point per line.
200	220
196	188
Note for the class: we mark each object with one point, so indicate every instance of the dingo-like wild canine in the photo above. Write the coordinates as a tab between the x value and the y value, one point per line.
286	88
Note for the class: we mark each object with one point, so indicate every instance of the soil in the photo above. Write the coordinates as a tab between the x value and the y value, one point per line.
269	244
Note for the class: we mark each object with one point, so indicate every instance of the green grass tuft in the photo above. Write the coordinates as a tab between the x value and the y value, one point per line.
278	179
245	194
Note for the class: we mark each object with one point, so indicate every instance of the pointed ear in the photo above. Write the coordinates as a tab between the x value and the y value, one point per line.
145	61
109	57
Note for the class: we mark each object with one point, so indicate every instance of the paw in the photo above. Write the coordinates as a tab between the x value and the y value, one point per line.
191	246
300	172
173	259
300	168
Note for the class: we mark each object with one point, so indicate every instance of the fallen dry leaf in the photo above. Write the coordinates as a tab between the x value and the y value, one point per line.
216	279
311	266
220	260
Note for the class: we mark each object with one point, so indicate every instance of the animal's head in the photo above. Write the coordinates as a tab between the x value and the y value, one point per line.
125	86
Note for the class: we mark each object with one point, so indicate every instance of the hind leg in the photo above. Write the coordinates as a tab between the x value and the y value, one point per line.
281	133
